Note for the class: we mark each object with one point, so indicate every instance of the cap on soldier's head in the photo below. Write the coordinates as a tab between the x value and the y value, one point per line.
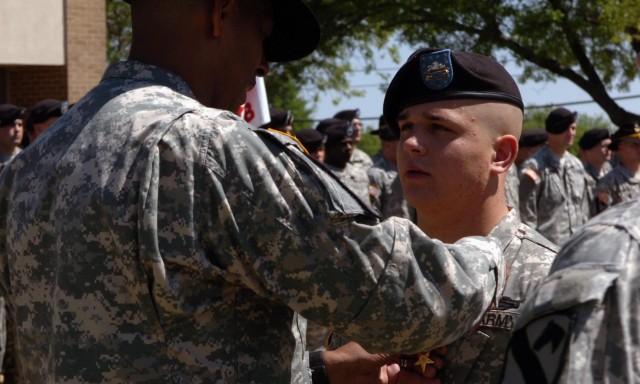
432	74
348	114
559	120
593	137
47	108
310	138
630	130
532	138
384	131
335	130
9	113
279	118
295	33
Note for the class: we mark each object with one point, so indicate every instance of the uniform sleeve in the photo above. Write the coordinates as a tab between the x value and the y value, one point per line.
528	195
284	228
579	325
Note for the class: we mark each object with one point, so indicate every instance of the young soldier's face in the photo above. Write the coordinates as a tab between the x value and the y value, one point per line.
444	155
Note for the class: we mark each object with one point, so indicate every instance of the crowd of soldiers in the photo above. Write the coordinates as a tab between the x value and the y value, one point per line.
151	235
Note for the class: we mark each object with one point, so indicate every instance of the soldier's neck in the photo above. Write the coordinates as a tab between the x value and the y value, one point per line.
450	226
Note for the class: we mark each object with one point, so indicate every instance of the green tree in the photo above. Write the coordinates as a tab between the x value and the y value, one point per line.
118	30
592	43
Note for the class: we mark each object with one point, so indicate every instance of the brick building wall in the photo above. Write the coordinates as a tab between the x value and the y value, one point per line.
86	45
86	57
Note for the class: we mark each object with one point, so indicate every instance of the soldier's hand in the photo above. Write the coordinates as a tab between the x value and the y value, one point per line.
352	364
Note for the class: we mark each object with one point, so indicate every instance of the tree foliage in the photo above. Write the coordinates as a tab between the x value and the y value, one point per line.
592	43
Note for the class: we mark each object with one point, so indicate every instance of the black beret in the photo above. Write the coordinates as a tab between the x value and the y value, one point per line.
348	114
323	125
279	118
295	33
559	120
335	130
310	139
532	138
44	109
385	133
9	113
432	74
625	131
593	137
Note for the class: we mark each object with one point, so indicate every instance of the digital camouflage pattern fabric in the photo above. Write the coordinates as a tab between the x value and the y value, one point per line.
581	324
554	198
618	186
386	190
478	356
511	188
147	238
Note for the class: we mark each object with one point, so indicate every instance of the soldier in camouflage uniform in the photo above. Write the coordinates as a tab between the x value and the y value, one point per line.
554	198
581	325
384	182
457	130
468	128
147	237
359	159
623	182
338	149
595	155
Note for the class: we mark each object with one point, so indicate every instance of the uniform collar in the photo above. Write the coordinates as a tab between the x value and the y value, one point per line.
141	72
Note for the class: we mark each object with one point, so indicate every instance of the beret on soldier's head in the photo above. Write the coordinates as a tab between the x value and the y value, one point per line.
593	137
45	109
433	74
335	130
348	114
310	138
559	120
384	131
532	138
9	113
629	130
323	125
279	118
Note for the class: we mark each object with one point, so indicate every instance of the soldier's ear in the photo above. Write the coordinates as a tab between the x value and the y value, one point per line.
219	13
505	150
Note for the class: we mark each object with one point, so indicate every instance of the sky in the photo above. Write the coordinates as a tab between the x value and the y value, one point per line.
560	92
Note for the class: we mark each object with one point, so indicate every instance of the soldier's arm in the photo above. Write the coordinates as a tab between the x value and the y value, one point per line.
295	235
528	195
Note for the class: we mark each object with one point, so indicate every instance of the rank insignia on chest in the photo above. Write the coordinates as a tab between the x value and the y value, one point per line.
436	69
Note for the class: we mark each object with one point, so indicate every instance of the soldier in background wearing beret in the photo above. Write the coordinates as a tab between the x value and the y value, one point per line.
43	114
553	184
595	155
623	182
359	159
281	120
581	324
384	183
338	150
313	141
531	141
151	235
11	130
